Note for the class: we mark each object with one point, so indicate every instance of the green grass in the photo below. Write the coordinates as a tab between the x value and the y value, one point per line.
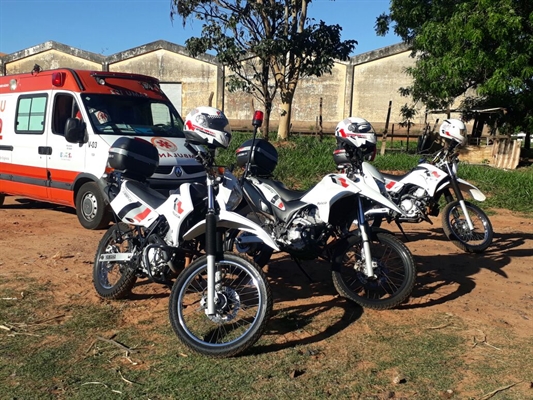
304	160
63	358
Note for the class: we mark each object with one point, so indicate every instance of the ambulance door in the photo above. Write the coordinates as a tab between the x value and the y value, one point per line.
66	160
29	176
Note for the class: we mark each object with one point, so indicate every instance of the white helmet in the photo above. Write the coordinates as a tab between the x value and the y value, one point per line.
211	124
453	129
359	132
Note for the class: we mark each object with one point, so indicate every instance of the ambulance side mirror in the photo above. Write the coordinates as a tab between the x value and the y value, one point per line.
74	130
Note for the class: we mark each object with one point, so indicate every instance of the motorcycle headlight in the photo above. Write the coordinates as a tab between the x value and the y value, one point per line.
234	199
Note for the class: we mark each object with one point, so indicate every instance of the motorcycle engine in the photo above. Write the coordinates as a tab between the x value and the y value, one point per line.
415	205
304	235
156	260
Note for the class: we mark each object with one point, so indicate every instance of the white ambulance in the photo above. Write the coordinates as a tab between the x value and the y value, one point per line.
57	126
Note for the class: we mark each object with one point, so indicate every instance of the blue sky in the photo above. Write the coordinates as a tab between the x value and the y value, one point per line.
110	26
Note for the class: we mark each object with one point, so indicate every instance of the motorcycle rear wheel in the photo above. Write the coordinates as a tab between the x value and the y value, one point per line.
395	272
114	280
456	229
243	308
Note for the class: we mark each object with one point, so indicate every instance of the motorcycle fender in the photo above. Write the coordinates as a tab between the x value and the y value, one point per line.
471	189
232	220
467	187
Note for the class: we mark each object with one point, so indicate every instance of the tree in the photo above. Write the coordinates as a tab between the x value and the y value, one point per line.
262	41
479	48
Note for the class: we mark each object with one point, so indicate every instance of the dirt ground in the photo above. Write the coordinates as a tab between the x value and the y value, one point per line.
46	242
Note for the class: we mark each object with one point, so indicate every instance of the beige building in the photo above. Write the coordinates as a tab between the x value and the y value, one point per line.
363	86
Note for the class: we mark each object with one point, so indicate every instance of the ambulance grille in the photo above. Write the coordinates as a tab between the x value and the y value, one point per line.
188	169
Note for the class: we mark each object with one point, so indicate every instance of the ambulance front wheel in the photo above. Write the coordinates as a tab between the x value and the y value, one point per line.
91	209
2	198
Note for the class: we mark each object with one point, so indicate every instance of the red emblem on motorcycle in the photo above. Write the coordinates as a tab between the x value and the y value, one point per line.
342	182
276	200
178	207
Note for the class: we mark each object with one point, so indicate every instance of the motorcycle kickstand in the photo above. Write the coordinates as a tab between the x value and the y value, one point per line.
303	270
401	230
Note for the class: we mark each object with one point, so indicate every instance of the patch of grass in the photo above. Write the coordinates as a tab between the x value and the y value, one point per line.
505	189
304	160
84	354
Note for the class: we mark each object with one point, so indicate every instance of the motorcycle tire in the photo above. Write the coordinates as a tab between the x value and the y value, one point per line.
395	273
114	280
259	252
456	229
243	308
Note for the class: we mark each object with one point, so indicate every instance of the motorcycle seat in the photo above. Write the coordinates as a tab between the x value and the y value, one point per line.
144	192
285	193
394	177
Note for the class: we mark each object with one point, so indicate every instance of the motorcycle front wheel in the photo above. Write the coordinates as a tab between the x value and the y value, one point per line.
243	306
114	279
394	272
457	231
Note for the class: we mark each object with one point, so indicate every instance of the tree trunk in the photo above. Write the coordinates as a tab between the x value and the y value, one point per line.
284	121
286	97
266	125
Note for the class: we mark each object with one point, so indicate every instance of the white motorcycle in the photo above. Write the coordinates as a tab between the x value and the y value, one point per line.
220	302
369	266
422	191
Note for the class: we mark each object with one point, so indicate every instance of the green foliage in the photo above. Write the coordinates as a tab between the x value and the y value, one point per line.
303	161
486	45
258	40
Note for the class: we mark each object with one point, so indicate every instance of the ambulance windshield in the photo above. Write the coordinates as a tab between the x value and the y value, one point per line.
132	115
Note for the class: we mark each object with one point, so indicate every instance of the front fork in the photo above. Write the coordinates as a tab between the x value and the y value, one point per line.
363	229
460	198
211	249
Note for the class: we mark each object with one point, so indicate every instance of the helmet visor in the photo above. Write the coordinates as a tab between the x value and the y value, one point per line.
360	128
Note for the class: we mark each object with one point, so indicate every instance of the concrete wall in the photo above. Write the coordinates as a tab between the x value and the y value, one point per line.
377	78
362	86
332	88
201	78
49	55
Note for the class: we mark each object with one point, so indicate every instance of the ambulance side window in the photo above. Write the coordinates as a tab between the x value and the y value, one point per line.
31	111
64	107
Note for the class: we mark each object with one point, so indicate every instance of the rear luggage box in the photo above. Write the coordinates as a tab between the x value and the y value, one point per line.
136	158
263	159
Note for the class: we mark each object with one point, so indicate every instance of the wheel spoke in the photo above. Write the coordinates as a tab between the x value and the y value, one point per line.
240	306
394	273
